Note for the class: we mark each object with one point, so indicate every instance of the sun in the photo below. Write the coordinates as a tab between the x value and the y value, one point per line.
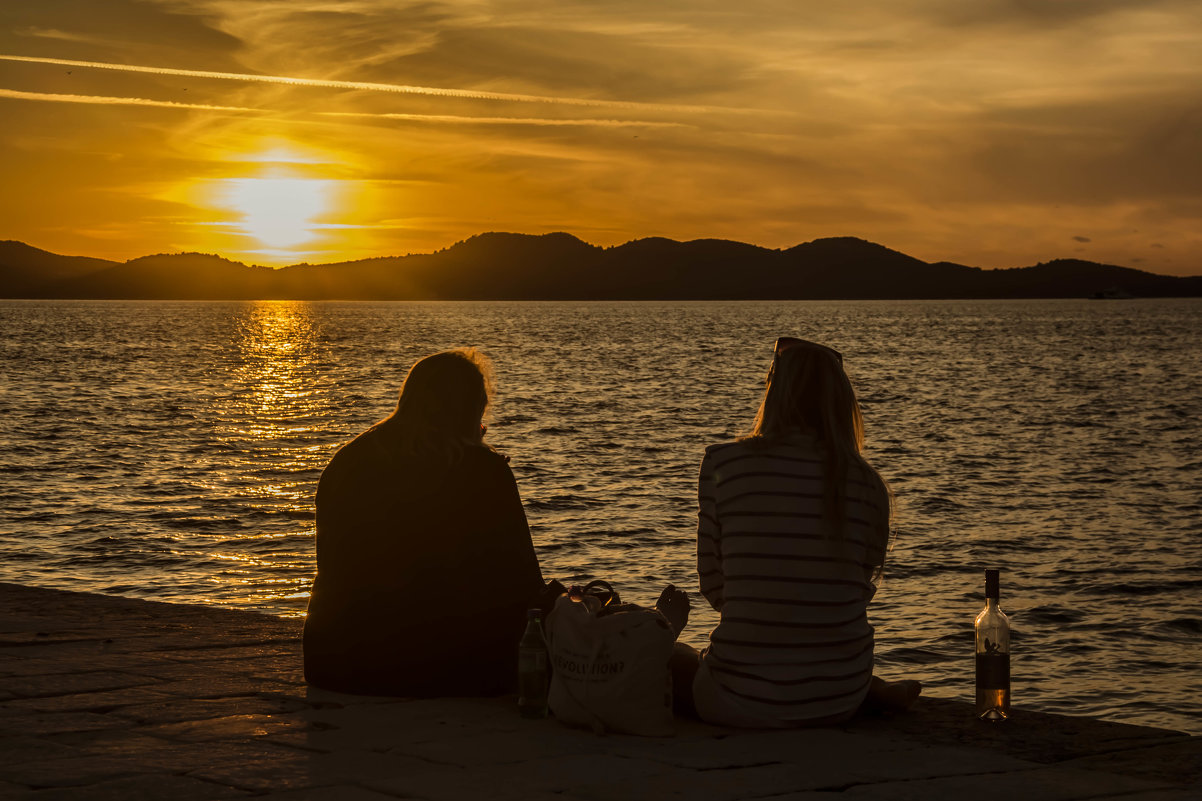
280	212
276	204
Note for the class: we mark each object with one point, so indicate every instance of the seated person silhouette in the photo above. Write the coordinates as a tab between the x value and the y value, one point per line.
425	565
793	526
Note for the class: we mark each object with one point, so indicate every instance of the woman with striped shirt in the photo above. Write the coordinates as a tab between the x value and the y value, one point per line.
792	531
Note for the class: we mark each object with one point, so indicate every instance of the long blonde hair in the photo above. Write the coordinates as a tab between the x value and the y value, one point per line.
442	403
808	391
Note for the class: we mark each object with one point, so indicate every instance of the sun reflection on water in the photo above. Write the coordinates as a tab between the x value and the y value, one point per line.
276	340
269	418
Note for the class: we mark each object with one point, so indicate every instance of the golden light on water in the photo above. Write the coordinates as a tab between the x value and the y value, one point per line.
276	400
276	340
273	404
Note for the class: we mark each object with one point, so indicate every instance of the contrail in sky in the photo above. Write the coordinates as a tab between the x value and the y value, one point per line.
506	120
114	101
109	100
377	87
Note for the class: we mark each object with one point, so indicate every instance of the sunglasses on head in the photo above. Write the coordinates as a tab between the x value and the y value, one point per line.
786	343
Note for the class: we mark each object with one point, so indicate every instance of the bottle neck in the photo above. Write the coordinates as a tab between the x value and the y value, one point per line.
992	584
991	603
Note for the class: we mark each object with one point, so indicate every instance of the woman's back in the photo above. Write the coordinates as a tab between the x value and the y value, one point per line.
794	642
407	586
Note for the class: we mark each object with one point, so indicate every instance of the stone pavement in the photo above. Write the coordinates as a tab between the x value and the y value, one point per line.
112	698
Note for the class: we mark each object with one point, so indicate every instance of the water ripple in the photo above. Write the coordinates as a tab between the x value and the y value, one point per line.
171	451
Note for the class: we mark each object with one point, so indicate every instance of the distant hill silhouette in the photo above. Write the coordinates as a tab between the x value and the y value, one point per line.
25	269
503	266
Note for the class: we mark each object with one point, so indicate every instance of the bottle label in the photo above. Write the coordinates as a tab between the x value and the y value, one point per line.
993	671
532	662
532	676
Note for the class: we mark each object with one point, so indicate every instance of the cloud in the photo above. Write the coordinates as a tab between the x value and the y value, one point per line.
1042	13
608	50
54	33
183	32
1082	239
1132	148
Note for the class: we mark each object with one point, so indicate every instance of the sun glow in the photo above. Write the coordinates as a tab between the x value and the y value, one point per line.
275	205
279	212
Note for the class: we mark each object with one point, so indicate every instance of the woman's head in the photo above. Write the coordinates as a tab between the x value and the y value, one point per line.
445	396
808	391
442	404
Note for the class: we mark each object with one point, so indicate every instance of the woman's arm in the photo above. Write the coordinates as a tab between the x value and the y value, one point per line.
878	545
709	531
513	530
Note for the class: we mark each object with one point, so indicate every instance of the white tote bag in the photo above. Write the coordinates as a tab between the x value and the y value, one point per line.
610	668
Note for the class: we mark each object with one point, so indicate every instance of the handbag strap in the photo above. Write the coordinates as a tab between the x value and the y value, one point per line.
600	589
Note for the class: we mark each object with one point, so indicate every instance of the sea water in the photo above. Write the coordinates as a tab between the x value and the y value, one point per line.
170	450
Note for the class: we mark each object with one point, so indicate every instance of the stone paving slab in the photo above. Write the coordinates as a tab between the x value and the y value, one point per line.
115	698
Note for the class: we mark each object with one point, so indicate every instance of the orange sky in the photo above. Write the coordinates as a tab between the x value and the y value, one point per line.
996	133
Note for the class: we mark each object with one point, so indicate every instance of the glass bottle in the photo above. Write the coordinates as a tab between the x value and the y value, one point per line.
533	674
993	655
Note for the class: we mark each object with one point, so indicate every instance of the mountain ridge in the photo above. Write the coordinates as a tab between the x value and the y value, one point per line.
560	266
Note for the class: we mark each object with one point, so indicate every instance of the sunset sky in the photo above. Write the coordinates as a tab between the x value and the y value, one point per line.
996	133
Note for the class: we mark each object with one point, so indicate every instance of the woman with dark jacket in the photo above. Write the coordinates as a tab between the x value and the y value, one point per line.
425	565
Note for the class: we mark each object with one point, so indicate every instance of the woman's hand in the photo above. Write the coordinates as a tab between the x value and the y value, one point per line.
674	605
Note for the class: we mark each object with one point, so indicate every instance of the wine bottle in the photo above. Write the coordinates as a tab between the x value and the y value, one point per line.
533	673
993	655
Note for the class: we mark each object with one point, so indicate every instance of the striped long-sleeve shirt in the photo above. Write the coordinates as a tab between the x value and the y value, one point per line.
793	643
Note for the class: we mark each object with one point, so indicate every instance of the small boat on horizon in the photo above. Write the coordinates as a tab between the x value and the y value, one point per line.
1113	293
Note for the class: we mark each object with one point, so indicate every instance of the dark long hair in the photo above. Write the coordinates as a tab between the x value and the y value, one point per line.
442	403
